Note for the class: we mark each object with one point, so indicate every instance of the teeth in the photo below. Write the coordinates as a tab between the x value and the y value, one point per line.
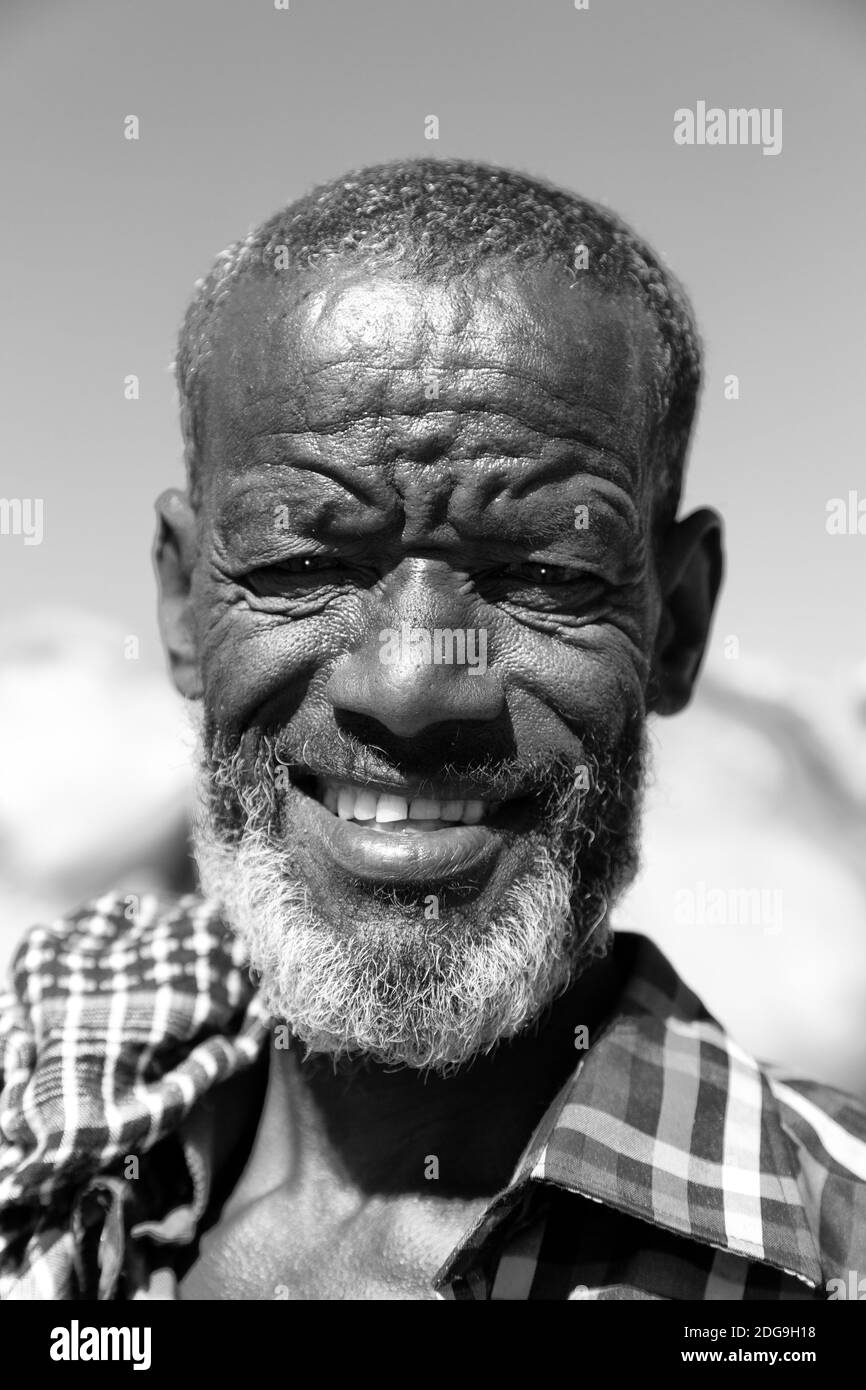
391	808
365	805
362	804
419	809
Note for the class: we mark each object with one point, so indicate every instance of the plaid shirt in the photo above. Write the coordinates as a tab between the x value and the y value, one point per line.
670	1166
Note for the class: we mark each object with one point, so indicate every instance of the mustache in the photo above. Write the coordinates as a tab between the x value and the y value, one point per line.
342	756
594	791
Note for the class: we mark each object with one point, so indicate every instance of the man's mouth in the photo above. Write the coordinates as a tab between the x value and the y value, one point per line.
391	812
392	835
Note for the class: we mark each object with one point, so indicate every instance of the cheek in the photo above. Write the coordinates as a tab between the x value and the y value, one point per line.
253	661
592	678
599	688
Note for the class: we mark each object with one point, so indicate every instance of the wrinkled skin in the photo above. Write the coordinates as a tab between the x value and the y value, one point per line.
431	445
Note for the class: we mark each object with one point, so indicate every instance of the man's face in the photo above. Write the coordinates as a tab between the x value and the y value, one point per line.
424	608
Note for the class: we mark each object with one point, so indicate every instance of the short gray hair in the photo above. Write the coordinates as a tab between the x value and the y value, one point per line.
445	217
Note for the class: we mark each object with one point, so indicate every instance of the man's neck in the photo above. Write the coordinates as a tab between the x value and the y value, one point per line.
377	1131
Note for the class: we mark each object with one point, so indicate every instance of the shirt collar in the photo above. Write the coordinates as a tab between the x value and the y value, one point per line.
666	1119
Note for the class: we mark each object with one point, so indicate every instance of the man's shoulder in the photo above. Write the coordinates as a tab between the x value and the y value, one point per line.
120	977
662	1007
826	1126
785	1156
123	944
131	921
826	1130
815	1108
118	1019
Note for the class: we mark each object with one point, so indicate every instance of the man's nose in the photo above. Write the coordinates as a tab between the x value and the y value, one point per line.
420	663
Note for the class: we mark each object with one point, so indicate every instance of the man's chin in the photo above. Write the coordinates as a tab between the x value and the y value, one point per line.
402	977
417	906
420	969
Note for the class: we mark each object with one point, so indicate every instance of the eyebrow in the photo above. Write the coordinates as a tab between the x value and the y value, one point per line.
338	488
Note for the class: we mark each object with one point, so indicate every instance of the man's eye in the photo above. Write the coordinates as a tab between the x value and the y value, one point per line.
272	580
543	574
307	564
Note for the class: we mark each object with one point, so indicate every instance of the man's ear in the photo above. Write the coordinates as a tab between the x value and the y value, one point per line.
690	565
174	554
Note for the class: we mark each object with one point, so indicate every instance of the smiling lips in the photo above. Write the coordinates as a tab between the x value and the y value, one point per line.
390	812
384	836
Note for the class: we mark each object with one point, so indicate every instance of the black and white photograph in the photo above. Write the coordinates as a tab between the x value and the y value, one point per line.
432	670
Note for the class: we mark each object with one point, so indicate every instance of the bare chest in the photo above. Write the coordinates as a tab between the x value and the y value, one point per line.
293	1245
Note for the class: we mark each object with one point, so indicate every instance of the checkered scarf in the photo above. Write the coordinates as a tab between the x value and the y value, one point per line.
670	1166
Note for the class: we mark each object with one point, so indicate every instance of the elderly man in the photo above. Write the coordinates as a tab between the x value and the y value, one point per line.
424	587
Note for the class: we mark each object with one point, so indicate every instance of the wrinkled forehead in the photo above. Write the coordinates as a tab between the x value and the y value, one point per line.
505	357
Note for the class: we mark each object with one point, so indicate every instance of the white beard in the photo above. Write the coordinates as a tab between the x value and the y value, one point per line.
399	989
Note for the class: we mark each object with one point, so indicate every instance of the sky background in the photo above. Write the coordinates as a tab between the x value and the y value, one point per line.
243	107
